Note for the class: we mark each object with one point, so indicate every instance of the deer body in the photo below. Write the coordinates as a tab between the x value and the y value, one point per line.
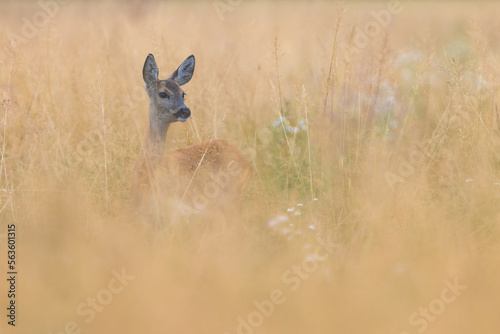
196	176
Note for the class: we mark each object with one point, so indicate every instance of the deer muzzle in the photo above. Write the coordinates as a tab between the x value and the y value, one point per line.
183	114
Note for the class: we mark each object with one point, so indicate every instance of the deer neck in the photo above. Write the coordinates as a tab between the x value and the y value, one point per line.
157	134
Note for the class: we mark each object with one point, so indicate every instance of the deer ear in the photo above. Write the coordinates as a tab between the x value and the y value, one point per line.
184	73
150	70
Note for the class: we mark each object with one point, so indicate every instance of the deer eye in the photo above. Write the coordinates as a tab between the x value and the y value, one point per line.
163	95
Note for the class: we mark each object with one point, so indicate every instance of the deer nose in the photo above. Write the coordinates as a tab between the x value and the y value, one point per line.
183	114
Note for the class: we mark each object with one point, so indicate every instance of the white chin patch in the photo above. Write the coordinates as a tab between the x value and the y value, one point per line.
180	119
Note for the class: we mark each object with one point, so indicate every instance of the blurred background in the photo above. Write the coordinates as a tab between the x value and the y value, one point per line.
372	128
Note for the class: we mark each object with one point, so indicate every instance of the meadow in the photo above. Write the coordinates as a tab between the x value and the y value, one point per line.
374	134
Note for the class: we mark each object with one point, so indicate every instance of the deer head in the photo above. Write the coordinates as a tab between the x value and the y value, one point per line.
166	98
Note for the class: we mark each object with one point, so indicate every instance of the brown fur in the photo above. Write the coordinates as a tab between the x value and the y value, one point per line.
209	172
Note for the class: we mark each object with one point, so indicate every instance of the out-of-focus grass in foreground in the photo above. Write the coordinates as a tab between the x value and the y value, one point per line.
390	143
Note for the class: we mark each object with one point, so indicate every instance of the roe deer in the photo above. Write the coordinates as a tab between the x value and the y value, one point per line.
197	174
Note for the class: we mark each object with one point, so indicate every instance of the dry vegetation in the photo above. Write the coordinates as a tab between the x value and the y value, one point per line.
396	162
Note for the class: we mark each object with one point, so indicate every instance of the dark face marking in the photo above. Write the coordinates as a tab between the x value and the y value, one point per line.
169	100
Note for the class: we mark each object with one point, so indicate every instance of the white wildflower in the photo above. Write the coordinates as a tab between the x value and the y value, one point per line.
292	129
277	220
281	120
302	125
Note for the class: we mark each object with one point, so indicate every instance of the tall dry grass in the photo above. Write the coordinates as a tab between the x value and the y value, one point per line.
397	165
